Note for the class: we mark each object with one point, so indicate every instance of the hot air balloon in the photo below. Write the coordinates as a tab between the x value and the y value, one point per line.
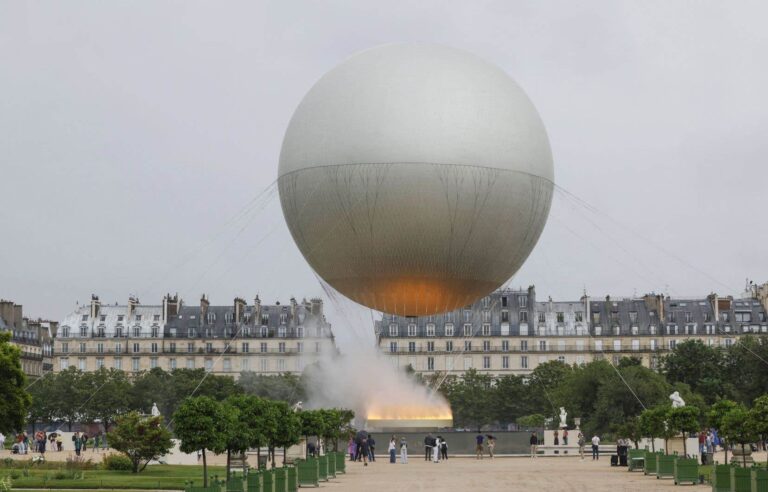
415	179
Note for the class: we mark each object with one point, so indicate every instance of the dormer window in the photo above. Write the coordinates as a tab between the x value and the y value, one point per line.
138	317
156	317
136	331
120	318
103	318
210	318
85	317
265	319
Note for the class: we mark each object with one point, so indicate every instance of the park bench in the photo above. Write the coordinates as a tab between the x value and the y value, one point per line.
636	459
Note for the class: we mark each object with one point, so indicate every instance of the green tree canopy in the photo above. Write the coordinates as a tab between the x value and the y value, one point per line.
15	401
737	427
699	366
141	439
286	387
684	420
108	395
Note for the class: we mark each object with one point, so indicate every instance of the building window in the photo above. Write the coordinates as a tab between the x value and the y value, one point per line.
486	316
560	317
486	330
393	347
505	362
430	363
393	330
523	345
744	317
263	332
486	345
467	315
430	330
245	364
467	363
599	345
449	330
449	346
523	316
486	362
505	345
155	331
245	347
542	317
81	364
208	365
411	330
467	330
208	347
411	346
523	301
300	332
300	347
579	316
227	364
152	362
430	346
118	348
263	347
282	331
154	348
524	362
672	344
504	301
65	348
135	364
64	363
136	332
598	331
467	345
135	348
616	345
100	348
190	363
542	345
281	365
561	359
171	364
281	347
118	363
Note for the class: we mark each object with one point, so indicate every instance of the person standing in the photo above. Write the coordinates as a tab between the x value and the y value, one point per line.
2	441
41	443
84	438
595	447
59	441
78	443
96	442
581	441
351	449
403	451
371	448
491	444
436	451
534	444
565	437
479	446
443	448
392	450
557	438
427	447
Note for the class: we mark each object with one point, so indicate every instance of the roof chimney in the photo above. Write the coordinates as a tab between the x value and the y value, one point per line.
133	301
95	305
257	310
204	308
317	306
239	309
170	306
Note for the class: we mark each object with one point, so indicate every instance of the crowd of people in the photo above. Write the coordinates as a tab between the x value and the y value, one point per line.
42	441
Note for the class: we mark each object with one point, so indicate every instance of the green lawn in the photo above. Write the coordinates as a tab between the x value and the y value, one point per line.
153	477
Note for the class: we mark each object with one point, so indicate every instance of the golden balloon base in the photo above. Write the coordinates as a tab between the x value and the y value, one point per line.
413	425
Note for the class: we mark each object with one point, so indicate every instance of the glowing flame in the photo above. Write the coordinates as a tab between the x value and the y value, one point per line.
437	411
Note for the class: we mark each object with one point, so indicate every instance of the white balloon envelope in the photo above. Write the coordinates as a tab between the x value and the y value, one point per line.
415	178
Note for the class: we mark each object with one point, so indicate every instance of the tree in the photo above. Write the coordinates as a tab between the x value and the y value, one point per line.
745	369
737	428
288	429
653	424
312	423
698	365
15	402
715	416
758	416
41	409
509	399
108	390
250	428
470	398
202	423
533	421
631	430
141	439
684	420
68	395
286	387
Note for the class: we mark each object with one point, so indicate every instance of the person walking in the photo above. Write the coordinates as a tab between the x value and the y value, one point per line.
479	446
436	450
392	450
443	448
534	444
581	442
491	444
351	449
41	443
403	451
78	443
595	447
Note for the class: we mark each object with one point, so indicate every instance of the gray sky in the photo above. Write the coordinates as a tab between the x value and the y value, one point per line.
131	131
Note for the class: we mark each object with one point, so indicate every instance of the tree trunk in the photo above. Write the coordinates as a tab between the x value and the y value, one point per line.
743	456
258	457
666	445
725	447
306	447
69	424
685	446
229	456
205	470
284	453
653	444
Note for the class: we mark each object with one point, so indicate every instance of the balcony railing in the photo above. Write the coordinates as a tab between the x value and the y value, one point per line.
422	348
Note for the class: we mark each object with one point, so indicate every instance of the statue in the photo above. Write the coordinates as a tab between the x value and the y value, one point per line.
297	407
677	402
563	418
155	411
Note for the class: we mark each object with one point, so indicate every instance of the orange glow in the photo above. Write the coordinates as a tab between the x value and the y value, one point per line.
413	296
405	412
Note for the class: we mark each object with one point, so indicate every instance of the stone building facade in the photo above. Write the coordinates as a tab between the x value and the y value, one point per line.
33	337
511	332
225	340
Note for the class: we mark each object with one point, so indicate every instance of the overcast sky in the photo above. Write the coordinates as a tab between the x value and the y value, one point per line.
133	133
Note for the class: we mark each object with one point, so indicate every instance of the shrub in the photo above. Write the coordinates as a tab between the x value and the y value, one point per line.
79	463
15	475
117	462
8	462
60	475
